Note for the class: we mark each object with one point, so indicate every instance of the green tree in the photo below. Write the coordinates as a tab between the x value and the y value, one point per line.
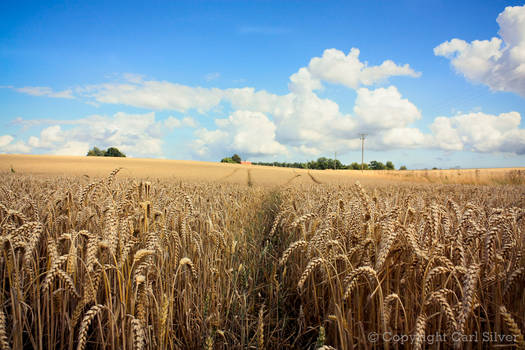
402	167
389	165
322	163
236	158
227	160
95	152
113	152
375	165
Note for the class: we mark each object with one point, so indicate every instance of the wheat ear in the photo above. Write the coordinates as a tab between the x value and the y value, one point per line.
86	321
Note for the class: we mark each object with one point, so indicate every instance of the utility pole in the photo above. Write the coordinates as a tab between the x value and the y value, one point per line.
362	137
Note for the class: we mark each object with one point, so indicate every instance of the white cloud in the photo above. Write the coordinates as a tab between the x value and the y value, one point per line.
404	138
303	81
313	121
50	136
8	146
480	132
160	95
445	135
250	133
45	91
498	62
5	140
336	67
384	108
261	101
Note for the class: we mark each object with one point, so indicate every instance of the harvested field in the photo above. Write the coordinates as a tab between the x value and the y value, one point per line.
179	255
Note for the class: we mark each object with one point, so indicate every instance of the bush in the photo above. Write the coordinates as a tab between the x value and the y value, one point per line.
390	165
95	152
113	152
236	158
402	167
110	152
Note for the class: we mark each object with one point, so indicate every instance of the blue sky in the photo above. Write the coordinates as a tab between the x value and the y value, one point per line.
434	83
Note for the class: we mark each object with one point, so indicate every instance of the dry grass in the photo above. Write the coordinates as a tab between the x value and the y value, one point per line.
116	262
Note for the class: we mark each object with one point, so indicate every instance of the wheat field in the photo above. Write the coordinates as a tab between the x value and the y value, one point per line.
240	258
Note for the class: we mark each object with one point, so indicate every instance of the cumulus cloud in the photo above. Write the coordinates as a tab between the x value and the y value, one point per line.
5	140
8	146
498	62
404	138
384	108
251	132
480	132
336	67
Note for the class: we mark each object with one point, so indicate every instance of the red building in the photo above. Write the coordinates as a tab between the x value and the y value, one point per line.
246	162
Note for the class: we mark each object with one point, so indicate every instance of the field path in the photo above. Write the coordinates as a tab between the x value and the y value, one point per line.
295	176
249	179
314	179
229	175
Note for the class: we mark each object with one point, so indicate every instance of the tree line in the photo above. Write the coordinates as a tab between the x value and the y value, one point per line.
329	163
321	164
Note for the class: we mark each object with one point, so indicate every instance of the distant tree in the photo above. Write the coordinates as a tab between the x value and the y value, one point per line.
95	152
435	168
236	158
375	165
323	163
113	152
402	167
227	160
354	166
389	165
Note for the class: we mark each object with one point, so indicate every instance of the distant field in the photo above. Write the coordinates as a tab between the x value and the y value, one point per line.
244	174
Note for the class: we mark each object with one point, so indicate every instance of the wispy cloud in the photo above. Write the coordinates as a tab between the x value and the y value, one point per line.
212	76
43	91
